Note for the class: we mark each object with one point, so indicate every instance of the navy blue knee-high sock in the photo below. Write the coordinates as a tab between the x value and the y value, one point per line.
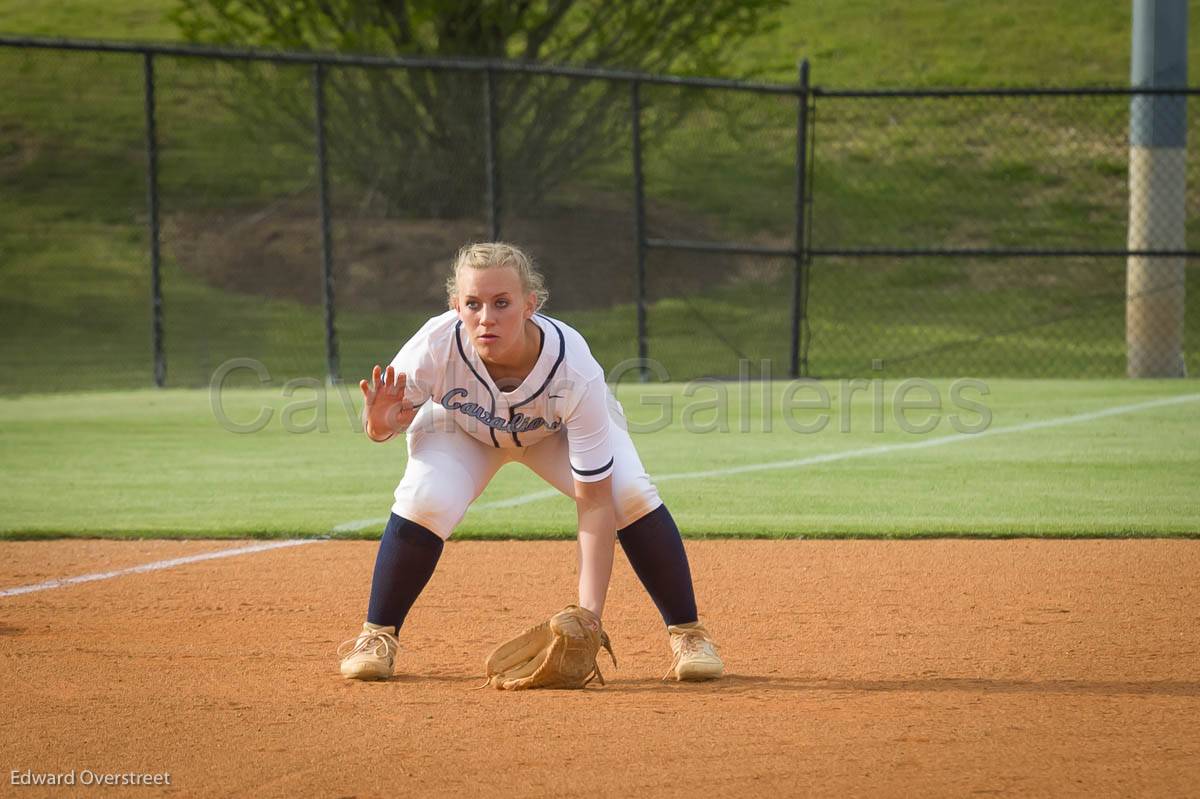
655	551
408	554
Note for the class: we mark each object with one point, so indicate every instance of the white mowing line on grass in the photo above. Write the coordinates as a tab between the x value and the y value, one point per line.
813	460
155	566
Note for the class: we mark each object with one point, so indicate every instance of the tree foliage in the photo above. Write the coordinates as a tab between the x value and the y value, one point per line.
414	138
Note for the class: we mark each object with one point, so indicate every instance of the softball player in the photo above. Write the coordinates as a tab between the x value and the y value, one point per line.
491	381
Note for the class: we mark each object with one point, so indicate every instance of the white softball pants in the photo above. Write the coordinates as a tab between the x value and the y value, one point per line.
448	469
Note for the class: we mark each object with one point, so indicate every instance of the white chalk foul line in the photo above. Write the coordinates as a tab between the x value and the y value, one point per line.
832	457
155	566
537	496
956	438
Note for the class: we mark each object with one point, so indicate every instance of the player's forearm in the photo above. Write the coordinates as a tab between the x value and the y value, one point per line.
597	540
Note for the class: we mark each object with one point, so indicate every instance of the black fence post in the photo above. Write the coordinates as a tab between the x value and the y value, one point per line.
491	162
639	225
156	303
331	343
798	365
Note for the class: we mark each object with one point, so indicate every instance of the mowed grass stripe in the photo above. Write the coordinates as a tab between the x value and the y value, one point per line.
157	464
831	457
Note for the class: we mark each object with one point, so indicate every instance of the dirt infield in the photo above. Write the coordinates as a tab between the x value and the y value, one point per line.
879	668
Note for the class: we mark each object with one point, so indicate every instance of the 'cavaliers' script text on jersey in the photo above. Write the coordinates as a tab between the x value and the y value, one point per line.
565	391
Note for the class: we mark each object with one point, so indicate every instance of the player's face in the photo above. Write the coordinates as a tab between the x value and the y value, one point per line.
493	310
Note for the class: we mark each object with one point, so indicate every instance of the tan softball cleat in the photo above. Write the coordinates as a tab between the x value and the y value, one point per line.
695	651
370	656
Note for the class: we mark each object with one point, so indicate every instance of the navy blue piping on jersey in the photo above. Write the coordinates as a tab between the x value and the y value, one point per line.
482	382
590	472
562	351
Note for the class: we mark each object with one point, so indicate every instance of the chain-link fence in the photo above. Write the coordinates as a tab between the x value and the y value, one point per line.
168	210
991	232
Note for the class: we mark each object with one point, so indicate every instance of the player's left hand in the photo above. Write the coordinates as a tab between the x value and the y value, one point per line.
559	653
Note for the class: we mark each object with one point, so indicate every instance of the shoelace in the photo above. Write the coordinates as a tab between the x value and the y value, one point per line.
691	644
363	640
596	675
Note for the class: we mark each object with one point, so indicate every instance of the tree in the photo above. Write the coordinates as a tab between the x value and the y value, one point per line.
415	137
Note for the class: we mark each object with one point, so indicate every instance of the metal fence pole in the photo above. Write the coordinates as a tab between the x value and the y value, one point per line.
156	302
491	162
799	367
331	344
1155	305
639	224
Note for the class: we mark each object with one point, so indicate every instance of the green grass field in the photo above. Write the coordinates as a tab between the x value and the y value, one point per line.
158	463
85	452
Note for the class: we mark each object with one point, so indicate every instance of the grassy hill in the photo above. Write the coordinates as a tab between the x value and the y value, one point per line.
852	43
73	256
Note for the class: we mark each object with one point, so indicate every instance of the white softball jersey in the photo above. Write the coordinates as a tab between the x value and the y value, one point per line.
562	422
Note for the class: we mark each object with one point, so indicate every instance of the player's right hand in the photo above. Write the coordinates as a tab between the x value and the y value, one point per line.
387	412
